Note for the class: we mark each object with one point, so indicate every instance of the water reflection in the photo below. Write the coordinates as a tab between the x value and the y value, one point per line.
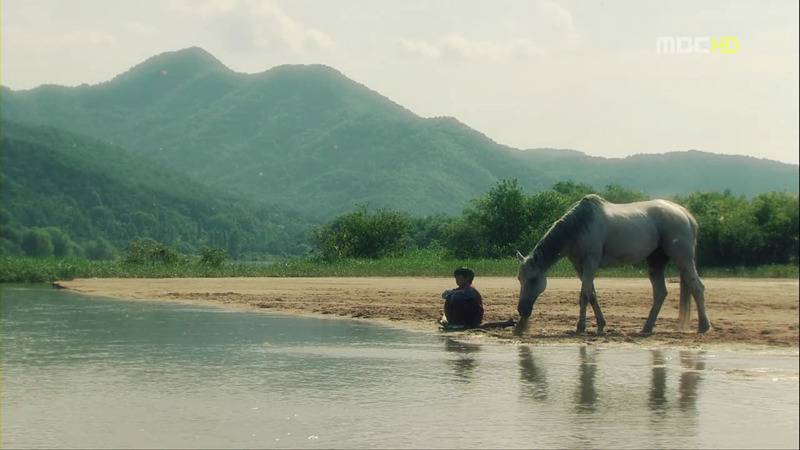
586	395
692	365
658	386
465	363
532	375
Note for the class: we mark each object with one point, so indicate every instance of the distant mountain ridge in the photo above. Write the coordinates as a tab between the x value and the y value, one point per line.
310	138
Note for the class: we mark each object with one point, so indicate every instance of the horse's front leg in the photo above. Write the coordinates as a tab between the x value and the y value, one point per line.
589	296
583	300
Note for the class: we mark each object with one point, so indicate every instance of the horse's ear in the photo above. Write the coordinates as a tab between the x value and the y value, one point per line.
520	257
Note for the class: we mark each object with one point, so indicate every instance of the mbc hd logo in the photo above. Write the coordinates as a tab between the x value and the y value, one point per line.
724	45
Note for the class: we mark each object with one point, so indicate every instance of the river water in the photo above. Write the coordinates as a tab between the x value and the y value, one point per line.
89	372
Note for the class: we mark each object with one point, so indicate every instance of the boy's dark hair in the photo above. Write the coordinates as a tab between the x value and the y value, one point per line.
464	272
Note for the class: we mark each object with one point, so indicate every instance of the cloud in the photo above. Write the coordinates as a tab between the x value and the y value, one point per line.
93	38
61	40
455	47
247	24
549	27
418	48
556	16
140	28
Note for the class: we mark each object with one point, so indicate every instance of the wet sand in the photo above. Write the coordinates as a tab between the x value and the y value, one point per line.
743	312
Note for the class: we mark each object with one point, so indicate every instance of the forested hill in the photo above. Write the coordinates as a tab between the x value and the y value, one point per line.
310	138
670	173
92	198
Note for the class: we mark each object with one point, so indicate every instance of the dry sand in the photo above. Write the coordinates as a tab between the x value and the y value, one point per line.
749	312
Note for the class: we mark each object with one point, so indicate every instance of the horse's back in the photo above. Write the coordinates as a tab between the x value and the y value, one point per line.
634	230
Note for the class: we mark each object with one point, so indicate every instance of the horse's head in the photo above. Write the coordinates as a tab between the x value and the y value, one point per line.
532	282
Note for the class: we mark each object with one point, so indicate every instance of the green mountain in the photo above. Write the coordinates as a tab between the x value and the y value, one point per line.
309	138
94	192
670	173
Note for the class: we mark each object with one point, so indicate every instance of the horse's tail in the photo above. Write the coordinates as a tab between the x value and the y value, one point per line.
685	305
695	228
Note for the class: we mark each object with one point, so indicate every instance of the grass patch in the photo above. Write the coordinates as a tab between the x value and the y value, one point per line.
421	263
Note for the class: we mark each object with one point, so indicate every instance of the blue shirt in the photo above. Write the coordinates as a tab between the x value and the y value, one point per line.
466	293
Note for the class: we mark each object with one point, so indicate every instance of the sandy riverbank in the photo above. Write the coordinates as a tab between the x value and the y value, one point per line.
754	312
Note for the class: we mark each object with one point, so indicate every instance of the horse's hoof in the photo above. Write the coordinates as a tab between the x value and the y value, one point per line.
600	332
703	327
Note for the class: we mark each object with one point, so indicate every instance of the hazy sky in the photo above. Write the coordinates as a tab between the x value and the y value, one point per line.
530	73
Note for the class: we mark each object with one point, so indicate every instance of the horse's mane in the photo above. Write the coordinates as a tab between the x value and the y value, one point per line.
575	221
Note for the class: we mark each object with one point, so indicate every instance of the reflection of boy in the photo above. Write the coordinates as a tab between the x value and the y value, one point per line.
463	305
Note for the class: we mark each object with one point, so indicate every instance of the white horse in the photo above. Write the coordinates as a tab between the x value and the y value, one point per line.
595	233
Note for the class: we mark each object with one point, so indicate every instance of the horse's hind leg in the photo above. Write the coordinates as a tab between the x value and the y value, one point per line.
657	263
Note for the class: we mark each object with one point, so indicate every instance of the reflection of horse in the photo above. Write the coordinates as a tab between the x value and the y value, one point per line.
464	365
693	364
658	388
595	233
587	395
532	375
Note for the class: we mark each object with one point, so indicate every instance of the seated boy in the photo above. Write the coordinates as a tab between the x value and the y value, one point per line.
463	306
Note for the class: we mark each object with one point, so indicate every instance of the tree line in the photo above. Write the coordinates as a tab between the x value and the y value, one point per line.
734	230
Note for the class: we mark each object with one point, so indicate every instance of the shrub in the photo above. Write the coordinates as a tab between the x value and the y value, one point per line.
149	251
360	234
213	256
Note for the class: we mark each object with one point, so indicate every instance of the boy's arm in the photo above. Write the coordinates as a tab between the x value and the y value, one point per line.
463	294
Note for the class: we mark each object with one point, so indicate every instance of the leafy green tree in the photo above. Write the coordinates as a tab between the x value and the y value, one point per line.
738	231
776	215
360	234
11	233
430	230
616	193
36	242
463	239
8	247
573	191
99	249
546	208
212	256
503	216
61	242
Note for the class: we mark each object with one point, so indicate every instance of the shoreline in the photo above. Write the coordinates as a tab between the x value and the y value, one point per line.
767	320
